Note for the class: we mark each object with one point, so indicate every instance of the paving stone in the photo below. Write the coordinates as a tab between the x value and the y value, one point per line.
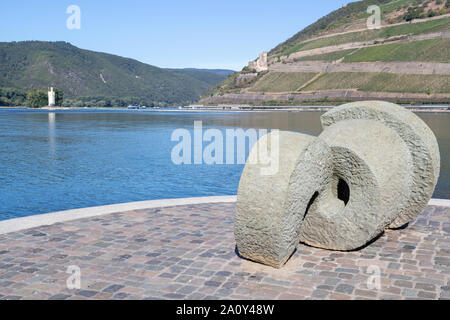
393	265
193	271
426	295
183	278
187	289
325	287
174	296
168	275
425	286
120	295
212	283
345	276
388	297
332	281
87	293
195	296
399	276
409	293
403	283
113	288
319	294
207	273
309	265
365	293
59	296
345	288
353	271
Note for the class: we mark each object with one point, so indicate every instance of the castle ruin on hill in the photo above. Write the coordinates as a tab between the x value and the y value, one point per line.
259	64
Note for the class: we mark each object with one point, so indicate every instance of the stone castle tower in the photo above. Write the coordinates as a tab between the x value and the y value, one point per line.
260	64
51	97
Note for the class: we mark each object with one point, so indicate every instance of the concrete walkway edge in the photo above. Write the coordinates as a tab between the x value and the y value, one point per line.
28	222
439	202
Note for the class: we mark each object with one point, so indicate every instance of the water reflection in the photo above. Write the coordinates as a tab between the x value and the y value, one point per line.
51	133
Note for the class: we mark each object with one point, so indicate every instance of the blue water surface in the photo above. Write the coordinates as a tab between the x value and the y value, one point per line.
51	161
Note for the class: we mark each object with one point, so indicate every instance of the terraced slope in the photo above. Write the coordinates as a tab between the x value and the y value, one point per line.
338	59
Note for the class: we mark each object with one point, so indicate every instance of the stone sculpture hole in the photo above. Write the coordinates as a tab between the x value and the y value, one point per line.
343	191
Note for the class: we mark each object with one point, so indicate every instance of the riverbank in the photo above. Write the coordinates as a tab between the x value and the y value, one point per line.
236	108
324	97
187	251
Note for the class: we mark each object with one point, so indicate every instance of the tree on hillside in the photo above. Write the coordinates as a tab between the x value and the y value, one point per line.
12	97
59	97
37	98
414	13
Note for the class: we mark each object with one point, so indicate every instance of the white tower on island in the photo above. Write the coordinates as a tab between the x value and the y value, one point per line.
51	97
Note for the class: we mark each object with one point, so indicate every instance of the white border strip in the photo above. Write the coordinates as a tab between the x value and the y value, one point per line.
439	202
45	219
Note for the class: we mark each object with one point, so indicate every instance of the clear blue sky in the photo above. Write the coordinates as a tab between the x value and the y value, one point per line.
166	33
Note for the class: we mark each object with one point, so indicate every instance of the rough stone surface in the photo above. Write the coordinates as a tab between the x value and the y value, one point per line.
368	185
270	207
374	166
419	138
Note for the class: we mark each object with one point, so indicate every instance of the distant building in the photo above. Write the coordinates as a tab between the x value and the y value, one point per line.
51	97
260	64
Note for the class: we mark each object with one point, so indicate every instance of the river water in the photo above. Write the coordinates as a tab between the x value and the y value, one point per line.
52	161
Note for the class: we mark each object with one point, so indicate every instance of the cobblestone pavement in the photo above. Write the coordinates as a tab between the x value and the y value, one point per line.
188	252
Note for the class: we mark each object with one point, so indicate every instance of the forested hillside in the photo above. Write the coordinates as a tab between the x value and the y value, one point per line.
90	78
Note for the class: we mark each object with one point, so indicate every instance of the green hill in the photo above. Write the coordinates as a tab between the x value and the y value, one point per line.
339	59
209	76
90	78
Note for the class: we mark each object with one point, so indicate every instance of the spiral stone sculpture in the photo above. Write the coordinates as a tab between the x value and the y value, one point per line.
373	167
